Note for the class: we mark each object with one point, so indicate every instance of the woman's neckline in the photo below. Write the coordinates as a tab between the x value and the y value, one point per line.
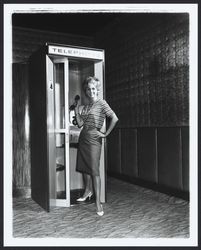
93	102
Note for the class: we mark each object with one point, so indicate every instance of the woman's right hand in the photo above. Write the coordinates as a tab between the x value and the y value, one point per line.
76	109
78	116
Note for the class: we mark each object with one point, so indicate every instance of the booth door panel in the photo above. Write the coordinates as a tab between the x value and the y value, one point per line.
38	128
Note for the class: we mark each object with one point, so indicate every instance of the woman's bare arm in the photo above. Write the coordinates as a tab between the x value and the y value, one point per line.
78	117
113	120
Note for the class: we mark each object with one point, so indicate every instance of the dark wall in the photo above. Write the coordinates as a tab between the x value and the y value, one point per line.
147	84
147	69
155	157
25	42
21	135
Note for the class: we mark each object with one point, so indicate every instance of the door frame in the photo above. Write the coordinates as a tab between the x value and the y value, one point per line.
66	201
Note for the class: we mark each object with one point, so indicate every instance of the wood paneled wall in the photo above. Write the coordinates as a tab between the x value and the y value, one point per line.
158	156
21	136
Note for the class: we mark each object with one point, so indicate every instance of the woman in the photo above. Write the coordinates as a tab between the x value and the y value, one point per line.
91	118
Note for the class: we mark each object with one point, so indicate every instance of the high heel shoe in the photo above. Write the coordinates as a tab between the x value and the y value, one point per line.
89	195
100	213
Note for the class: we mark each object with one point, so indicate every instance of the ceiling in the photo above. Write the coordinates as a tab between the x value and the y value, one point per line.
82	23
86	23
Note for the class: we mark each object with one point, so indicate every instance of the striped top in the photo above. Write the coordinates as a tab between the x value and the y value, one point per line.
93	115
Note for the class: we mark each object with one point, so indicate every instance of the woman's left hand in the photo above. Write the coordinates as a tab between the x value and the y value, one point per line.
101	134
98	134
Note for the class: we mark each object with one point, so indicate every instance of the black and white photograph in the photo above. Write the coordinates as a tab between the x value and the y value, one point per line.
100	121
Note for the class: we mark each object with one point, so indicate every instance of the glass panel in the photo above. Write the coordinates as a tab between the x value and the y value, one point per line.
78	71
51	135
60	166
59	96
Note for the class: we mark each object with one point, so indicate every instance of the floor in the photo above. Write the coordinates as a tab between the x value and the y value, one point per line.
131	211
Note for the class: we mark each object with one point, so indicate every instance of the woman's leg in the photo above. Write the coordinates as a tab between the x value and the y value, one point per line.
88	184
97	189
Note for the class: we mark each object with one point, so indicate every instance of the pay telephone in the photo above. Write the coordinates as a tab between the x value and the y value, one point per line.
72	107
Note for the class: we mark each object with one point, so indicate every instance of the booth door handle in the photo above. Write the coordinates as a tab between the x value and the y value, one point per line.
51	85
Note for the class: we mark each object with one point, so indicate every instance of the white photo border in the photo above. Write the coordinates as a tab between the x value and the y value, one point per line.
10	9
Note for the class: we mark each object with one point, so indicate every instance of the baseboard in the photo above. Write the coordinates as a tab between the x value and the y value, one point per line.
24	192
154	186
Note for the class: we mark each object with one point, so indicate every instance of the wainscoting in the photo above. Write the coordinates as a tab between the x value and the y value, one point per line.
154	157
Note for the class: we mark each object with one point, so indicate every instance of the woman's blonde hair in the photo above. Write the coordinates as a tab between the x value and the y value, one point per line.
91	79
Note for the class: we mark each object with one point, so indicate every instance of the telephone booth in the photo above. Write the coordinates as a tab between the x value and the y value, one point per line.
56	74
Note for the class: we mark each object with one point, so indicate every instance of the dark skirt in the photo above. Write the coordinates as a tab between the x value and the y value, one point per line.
88	154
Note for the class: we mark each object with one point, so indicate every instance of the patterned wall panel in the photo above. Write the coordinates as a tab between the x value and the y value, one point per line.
147	69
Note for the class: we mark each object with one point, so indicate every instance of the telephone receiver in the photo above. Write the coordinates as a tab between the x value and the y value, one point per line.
72	107
76	99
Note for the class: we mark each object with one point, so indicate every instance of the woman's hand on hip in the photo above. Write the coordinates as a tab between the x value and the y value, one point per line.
98	134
